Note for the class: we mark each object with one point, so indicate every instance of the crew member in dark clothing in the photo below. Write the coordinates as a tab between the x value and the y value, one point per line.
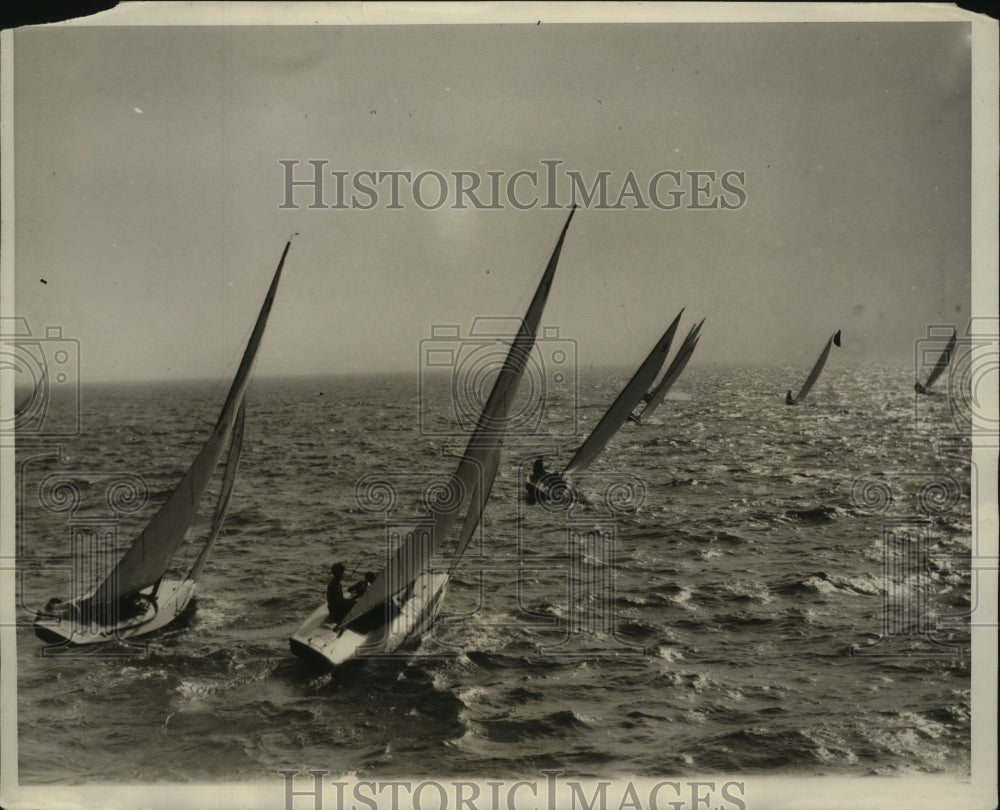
533	486
541	482
336	603
358	588
538	470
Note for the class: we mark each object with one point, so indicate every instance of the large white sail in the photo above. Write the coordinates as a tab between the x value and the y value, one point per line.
473	479
625	403
149	557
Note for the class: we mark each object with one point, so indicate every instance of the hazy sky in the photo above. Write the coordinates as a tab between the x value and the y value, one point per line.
148	188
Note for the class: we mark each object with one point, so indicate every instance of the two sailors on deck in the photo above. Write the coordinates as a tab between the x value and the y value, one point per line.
337	604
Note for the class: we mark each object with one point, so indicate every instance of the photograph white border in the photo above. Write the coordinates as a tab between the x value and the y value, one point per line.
770	792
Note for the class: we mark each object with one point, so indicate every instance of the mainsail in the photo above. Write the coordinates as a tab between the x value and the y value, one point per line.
149	557
814	374
473	480
620	409
941	365
677	365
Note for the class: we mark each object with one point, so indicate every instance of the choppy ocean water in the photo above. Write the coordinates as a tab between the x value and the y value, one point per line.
753	588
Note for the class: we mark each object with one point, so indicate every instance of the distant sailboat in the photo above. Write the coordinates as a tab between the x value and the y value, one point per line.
814	374
544	486
137	598
401	601
677	365
942	364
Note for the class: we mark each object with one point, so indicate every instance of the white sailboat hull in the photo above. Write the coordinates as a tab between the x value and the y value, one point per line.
172	598
319	639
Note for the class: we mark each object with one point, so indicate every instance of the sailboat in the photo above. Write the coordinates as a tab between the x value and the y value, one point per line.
137	597
814	374
941	365
677	365
401	601
544	486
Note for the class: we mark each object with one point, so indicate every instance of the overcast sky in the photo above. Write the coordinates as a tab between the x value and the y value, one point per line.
149	188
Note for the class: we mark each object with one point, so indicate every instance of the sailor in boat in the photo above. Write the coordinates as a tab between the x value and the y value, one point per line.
127	610
538	471
533	486
541	482
63	610
133	605
336	603
358	589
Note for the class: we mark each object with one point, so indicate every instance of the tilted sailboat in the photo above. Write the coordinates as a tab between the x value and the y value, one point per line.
137	598
402	600
677	365
814	374
543	486
941	365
